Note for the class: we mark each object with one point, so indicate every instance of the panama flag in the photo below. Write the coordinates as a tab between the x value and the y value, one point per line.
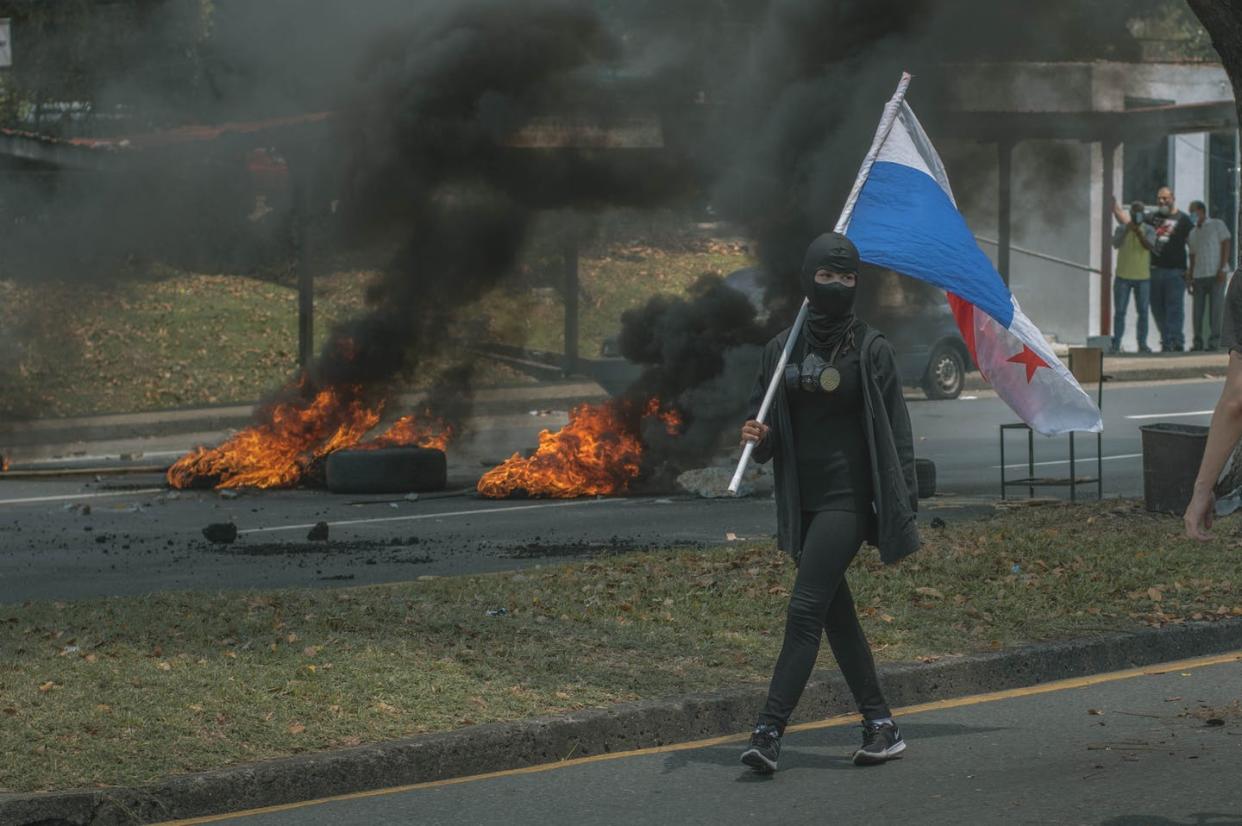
904	218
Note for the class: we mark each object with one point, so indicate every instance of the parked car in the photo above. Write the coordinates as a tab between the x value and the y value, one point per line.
914	315
916	318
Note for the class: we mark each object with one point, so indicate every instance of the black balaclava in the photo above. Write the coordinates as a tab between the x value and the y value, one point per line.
832	305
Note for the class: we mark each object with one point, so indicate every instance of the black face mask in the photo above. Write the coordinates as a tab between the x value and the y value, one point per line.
832	305
834	301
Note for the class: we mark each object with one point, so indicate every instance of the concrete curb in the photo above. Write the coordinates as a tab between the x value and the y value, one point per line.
500	746
1139	372
42	432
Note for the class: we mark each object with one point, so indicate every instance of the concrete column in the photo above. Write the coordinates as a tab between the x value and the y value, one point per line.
306	284
1109	150
1189	168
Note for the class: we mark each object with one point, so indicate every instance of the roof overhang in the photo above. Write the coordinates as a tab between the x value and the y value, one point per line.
1098	126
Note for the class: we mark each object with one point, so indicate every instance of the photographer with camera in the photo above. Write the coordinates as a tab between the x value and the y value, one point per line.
1134	239
1170	271
840	434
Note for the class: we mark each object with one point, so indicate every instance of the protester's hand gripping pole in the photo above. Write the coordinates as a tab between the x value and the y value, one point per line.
891	110
767	399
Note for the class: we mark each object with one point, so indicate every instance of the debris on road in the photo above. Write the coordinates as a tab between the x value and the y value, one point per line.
713	482
319	533
221	533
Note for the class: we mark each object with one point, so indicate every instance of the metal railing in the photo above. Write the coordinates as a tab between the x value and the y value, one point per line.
1040	255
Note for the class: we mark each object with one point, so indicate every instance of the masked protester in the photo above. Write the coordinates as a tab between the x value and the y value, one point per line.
840	435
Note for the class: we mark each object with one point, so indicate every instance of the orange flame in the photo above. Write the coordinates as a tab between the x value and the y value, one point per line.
280	452
410	431
599	452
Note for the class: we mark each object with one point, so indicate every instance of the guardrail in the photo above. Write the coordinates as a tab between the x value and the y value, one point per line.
1041	255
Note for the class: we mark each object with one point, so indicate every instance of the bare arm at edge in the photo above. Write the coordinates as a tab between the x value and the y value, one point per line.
1223	435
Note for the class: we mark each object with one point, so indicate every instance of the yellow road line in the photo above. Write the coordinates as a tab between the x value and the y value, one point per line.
831	722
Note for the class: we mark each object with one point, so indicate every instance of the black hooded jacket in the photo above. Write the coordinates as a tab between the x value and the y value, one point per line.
890	444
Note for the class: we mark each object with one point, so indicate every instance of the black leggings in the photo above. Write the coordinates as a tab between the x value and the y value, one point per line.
821	601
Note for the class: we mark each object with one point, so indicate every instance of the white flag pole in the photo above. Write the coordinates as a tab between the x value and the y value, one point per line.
891	110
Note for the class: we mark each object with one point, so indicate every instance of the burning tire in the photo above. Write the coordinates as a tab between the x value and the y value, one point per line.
387	470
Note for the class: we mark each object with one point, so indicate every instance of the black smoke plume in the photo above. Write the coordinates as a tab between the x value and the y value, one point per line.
428	162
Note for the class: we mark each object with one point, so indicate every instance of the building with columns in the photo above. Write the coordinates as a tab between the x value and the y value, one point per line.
1038	151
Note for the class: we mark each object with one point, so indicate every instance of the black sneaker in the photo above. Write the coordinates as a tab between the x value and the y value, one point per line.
765	748
881	743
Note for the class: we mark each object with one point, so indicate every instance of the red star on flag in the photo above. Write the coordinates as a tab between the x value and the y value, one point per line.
1030	359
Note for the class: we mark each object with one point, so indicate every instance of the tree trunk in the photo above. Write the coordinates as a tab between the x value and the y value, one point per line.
1223	21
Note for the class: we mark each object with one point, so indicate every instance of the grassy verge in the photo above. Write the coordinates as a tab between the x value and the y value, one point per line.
125	690
165	338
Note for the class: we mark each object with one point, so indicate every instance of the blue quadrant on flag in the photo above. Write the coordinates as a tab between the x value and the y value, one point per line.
936	246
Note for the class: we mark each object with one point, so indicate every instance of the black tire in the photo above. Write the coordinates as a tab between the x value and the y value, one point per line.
925	472
387	470
946	373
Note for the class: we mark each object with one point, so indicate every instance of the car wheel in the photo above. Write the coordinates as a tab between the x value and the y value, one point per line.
925	472
946	373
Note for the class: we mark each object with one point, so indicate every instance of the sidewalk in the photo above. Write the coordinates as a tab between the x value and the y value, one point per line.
1148	367
489	401
558	395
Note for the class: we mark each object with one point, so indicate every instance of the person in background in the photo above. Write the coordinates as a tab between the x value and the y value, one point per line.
1134	240
1169	271
1209	265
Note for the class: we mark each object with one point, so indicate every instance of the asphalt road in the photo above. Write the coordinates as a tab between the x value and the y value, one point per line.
962	437
139	538
1160	747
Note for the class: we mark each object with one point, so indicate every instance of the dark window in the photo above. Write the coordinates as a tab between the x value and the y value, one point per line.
1222	196
1146	169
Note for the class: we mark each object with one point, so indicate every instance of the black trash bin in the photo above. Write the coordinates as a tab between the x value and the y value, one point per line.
1171	457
